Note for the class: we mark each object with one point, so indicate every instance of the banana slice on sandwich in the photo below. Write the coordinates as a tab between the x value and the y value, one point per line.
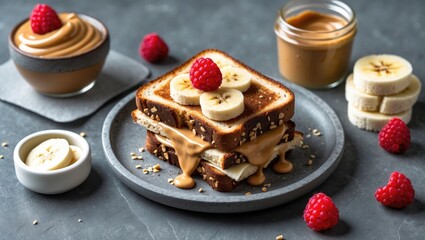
236	78
182	91
374	121
222	104
382	74
220	60
391	104
50	155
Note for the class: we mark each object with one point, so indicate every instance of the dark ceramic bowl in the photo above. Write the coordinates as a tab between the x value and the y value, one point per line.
62	76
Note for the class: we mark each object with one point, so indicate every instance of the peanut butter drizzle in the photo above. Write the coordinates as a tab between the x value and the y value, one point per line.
74	37
283	165
260	150
187	147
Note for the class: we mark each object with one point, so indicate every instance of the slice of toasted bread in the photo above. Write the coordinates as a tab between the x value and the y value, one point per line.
268	104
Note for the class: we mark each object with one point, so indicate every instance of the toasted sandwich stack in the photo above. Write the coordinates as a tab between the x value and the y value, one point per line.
226	135
380	88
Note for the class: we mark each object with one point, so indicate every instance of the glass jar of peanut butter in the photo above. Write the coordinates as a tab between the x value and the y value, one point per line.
314	41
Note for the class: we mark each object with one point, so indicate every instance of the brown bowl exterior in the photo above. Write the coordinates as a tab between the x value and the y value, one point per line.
62	75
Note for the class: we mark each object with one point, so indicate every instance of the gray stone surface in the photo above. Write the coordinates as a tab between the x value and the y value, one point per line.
244	29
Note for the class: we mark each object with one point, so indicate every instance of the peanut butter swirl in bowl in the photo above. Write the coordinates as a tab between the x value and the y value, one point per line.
64	62
74	37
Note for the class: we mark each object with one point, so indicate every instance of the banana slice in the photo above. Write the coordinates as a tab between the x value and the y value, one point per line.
220	60
391	104
236	78
404	100
51	154
182	91
359	99
76	153
382	74
222	104
373	121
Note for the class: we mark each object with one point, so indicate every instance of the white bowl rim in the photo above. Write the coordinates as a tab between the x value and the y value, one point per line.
85	147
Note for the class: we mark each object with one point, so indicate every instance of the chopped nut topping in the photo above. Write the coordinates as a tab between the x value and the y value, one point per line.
273	126
199	169
211	178
191	121
280	122
253	137
202	129
194	131
316	132
280	237
35	222
170	180
150	169
264	189
145	171
138	166
200	190
157	166
243	134
238	160
163	147
216	184
213	142
247	193
305	146
157	118
156	170
83	134
145	110
155	151
154	109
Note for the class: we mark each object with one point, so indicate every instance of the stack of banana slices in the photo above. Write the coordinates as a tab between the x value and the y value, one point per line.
225	103
380	88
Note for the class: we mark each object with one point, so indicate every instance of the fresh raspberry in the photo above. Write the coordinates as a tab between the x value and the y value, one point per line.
321	212
398	193
44	19
205	74
395	136
153	48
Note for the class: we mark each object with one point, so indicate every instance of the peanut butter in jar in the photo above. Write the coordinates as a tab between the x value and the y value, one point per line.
314	42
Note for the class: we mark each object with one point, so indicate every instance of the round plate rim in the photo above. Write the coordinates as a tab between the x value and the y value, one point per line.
219	204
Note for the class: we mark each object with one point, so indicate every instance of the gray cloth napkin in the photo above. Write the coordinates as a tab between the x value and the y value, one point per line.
119	74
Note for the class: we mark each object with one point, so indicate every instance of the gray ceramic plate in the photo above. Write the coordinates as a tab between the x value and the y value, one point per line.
121	136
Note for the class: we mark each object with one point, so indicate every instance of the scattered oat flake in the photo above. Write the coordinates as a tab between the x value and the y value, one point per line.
133	154
280	237
305	146
264	189
134	157
1	156
248	193
138	166
170	180
308	135
83	134
267	185
156	166
310	162
139	158
142	149
201	190
4	144
312	156
145	171
35	222
79	220
155	170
